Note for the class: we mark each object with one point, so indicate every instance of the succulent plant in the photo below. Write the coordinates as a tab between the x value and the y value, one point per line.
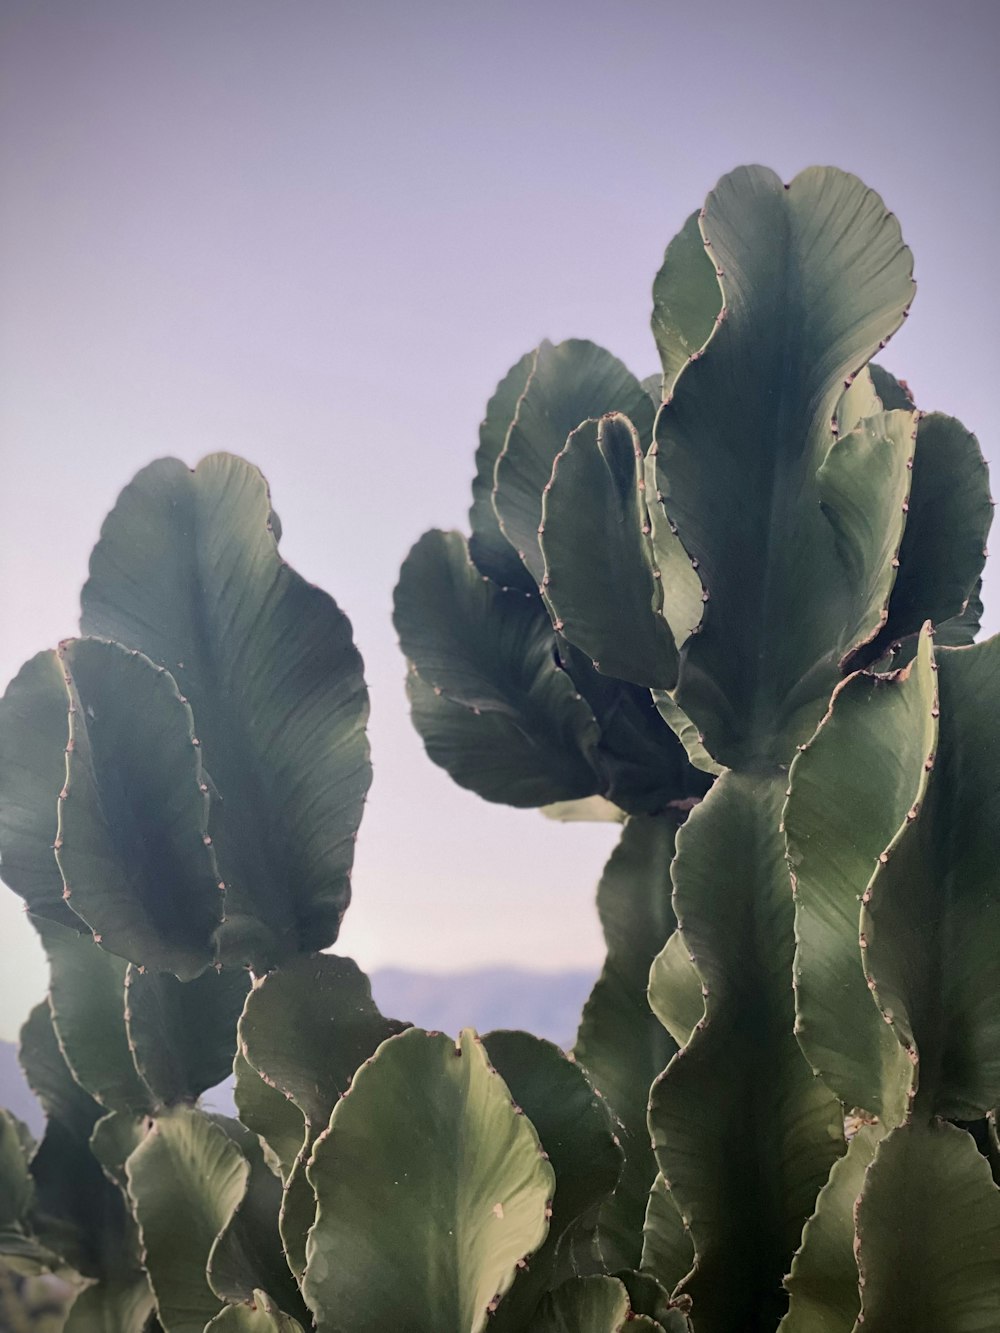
731	607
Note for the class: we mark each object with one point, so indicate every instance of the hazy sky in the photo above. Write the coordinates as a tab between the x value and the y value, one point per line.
317	234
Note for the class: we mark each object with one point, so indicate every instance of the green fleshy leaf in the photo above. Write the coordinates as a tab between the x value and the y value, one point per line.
133	844
87	999
183	1034
745	1133
589	809
571	381
824	1296
930	928
802	312
187	571
589	1305
675	990
852	789
273	1117
944	545
430	1189
262	1316
687	733
641	765
489	549
667	1251
248	1252
858	402
485	682
307	1029
606	597
575	1128
34	729
687	301
186	1168
79	1213
620	1043
928	1226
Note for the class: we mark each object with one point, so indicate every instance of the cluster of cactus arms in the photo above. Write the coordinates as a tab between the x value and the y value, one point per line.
731	607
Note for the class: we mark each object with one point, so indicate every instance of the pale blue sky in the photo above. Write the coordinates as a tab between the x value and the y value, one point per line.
318	233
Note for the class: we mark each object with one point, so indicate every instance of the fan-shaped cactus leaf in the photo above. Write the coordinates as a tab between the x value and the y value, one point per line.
667	1251
487	681
824	1296
676	994
133	843
742	1069
188	1168
944	545
273	1117
79	1213
930	925
570	382
87	999
620	1043
20	1252
590	1305
49	1077
188	571
307	1029
928	1235
259	1316
182	1034
852	788
575	1128
430	1188
642	767
687	301
489	549
34	728
738	471
606	597
248	1251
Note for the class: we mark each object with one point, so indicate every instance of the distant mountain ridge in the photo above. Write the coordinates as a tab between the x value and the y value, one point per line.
546	1003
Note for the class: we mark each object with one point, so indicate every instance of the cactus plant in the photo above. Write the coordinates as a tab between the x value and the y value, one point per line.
731	607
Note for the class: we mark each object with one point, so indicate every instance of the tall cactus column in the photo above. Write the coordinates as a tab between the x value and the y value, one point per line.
792	516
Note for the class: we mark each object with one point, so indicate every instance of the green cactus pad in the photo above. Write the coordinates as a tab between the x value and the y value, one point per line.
248	1252
745	1133
576	1129
928	1227
824	1296
307	1029
431	1188
852	788
489	549
594	1304
485	681
667	1251
570	382
947	524
687	300
133	844
738	467
262	1316
606	596
620	1043
188	571
183	1033
34	728
186	1168
87	999
930	927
